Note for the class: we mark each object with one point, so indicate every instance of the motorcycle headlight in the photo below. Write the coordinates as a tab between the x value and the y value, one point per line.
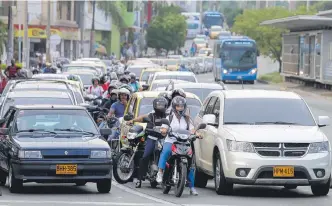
235	146
29	154
131	135
101	154
319	147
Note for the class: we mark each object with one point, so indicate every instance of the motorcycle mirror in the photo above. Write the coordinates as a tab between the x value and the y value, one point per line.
86	98
128	117
201	126
165	121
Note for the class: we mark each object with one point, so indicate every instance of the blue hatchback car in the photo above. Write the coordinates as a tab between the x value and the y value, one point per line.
53	144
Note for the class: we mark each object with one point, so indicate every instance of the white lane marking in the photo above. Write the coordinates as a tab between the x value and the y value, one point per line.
140	194
78	203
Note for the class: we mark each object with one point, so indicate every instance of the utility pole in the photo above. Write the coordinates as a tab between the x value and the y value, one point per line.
26	54
48	32
82	28
201	14
10	43
19	38
92	39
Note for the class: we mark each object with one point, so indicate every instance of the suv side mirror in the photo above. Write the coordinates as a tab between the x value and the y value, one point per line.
209	119
105	131
128	117
323	121
201	126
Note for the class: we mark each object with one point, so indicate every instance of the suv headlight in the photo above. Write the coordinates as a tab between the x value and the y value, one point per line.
29	154
318	147
235	146
103	154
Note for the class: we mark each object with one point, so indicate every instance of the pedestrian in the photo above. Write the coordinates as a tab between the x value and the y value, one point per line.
11	71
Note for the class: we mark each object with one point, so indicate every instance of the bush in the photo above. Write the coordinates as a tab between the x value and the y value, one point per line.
18	64
272	77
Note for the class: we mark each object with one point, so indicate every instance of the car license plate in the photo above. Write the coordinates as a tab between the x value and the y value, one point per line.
66	169
283	171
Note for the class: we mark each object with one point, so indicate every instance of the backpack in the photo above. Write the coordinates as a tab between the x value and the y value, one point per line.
187	118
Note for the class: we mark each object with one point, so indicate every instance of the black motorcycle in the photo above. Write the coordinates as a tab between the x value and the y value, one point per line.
178	165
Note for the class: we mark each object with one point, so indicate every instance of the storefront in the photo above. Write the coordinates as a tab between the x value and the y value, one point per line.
37	35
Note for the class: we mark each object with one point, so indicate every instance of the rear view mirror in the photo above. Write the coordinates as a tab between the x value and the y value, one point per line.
86	98
209	119
4	131
165	121
323	121
145	87
201	126
105	131
128	117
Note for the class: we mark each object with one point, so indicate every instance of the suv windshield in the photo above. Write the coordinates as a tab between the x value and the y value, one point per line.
55	121
267	111
188	78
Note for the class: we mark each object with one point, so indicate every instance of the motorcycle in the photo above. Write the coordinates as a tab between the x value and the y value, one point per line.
127	160
113	139
177	166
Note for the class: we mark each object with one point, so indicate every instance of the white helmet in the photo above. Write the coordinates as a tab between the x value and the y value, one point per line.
123	91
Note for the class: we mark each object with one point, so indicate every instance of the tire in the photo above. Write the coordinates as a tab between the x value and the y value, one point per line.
81	183
3	178
182	179
15	185
166	188
221	186
154	184
117	177
290	187
104	186
321	190
251	82
223	81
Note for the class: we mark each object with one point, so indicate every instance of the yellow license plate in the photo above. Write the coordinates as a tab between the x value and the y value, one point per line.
283	171
66	169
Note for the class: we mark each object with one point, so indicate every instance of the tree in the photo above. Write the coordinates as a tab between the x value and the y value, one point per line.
166	10
113	9
3	35
268	38
167	32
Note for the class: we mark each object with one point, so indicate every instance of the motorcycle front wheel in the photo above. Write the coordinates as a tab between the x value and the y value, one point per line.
122	171
182	176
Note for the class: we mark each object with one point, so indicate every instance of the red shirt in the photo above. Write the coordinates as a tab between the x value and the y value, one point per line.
105	86
12	70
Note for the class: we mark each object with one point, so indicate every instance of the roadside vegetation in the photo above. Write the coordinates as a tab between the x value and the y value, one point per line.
273	77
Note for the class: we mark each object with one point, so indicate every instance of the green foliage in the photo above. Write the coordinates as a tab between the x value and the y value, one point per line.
3	35
113	9
167	10
230	10
167	32
269	39
274	77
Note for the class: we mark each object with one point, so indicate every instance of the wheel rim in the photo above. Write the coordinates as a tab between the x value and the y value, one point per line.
122	166
10	177
217	174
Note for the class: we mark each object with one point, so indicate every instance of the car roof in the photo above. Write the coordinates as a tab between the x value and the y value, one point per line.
43	106
81	64
154	69
198	85
49	75
53	94
41	85
162	81
154	94
259	94
172	73
81	71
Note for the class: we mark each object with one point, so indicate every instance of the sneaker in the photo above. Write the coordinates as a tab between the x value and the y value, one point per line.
138	183
193	191
159	177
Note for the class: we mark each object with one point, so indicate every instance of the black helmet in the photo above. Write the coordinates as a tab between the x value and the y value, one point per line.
166	96
126	72
124	78
160	105
102	80
94	79
132	75
178	92
179	101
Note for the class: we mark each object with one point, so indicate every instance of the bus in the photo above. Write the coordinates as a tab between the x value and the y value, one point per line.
213	18
235	59
193	24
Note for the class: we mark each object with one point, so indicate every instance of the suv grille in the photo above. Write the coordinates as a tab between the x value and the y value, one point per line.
281	149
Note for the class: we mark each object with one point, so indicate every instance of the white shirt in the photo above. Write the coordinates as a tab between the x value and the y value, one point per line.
98	91
177	125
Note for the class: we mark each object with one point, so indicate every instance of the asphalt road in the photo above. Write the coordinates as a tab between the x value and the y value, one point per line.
128	195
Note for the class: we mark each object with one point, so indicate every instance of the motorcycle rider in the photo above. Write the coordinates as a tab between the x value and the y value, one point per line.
159	107
124	79
179	120
104	83
95	89
119	107
134	84
48	69
175	93
110	96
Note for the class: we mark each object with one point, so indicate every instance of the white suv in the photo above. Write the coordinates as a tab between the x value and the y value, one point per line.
257	137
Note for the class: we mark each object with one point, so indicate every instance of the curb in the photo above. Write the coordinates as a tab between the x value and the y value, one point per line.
262	81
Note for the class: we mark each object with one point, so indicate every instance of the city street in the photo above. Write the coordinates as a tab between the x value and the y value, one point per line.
38	194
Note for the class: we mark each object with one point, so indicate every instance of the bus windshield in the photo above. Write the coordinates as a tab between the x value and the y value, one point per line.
213	20
192	26
241	55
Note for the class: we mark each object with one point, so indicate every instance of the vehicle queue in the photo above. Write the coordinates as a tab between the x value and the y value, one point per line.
148	121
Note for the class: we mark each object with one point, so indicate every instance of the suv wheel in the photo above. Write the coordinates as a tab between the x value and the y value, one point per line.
222	187
15	185
104	186
321	190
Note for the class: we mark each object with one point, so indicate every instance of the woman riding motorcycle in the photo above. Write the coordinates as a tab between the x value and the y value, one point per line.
175	93
104	83
159	107
133	83
179	120
95	89
109	97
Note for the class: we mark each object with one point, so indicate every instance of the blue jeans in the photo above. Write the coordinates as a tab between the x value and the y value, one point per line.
167	150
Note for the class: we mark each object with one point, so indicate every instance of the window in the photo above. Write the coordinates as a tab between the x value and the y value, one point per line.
216	110
9	122
90	7
59	10
131	105
130	6
209	108
68	13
